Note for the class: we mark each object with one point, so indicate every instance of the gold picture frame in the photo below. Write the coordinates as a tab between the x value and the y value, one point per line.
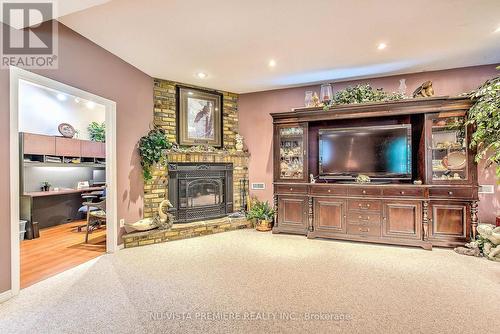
199	115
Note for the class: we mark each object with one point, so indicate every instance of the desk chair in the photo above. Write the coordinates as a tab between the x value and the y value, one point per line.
95	218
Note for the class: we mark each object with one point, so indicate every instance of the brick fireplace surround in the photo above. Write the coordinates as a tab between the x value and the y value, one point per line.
156	189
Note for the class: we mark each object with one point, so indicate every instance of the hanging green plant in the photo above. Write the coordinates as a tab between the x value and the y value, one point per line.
485	116
151	150
362	93
97	131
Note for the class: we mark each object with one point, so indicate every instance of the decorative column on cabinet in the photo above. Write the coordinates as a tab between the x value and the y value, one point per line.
474	219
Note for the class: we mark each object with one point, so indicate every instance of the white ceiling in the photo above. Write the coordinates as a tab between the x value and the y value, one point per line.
312	41
60	8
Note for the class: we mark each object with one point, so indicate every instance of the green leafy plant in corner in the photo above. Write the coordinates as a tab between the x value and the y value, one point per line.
485	116
97	131
261	210
151	150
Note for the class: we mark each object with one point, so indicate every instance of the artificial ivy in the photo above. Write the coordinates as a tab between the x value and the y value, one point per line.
151	150
362	93
485	116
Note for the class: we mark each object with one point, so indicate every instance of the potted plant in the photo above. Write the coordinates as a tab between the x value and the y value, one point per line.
263	214
97	132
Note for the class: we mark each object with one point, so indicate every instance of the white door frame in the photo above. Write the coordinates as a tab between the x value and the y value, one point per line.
17	74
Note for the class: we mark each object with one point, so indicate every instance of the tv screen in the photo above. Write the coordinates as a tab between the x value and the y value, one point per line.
376	151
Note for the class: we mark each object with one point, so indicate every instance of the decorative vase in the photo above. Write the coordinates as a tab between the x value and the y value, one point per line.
402	87
308	99
326	93
263	225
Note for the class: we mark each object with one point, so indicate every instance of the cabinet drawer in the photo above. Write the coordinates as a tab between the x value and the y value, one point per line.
328	190
403	192
363	217
291	189
359	204
362	191
364	229
451	192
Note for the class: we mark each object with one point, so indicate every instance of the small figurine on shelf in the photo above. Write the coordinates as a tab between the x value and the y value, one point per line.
315	100
239	142
424	90
363	179
311	178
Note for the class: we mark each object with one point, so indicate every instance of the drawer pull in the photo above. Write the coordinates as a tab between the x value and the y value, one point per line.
361	218
291	189
402	192
364	192
364	229
450	193
329	191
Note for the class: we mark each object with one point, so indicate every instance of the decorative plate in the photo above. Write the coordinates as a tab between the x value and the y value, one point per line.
67	130
455	160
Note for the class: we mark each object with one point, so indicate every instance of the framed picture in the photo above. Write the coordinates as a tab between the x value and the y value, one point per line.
199	117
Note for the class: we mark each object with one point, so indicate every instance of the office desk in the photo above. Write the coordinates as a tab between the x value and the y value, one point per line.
51	208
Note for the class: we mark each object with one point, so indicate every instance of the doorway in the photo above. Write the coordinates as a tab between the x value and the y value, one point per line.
53	204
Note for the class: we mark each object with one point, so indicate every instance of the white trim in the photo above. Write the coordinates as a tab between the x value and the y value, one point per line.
17	74
6	295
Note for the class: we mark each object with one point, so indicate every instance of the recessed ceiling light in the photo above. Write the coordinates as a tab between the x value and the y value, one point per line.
272	63
497	29
61	97
90	105
381	46
201	75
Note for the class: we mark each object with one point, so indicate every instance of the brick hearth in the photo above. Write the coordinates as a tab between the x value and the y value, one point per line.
184	231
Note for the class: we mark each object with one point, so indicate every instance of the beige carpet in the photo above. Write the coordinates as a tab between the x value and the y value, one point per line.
251	282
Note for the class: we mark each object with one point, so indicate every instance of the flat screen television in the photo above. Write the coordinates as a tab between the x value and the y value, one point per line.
382	152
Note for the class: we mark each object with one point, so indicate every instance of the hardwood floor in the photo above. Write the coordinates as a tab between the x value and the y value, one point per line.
59	248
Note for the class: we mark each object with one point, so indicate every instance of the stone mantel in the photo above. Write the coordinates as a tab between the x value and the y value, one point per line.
165	117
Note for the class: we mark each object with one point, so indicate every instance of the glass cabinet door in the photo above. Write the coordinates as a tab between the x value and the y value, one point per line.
448	149
291	152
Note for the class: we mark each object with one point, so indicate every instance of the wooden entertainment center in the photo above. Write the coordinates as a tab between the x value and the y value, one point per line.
441	211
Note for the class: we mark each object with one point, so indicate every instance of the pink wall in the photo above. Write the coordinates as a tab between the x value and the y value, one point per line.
87	66
256	123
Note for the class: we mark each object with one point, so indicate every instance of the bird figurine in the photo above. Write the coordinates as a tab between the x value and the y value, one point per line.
424	90
161	220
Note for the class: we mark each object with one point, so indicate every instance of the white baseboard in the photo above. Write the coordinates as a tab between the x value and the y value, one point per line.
4	296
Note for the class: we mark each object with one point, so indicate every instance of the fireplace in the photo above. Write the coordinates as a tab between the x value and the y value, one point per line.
200	191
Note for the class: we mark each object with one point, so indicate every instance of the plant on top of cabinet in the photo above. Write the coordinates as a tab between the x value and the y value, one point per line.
97	131
363	93
151	150
485	116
